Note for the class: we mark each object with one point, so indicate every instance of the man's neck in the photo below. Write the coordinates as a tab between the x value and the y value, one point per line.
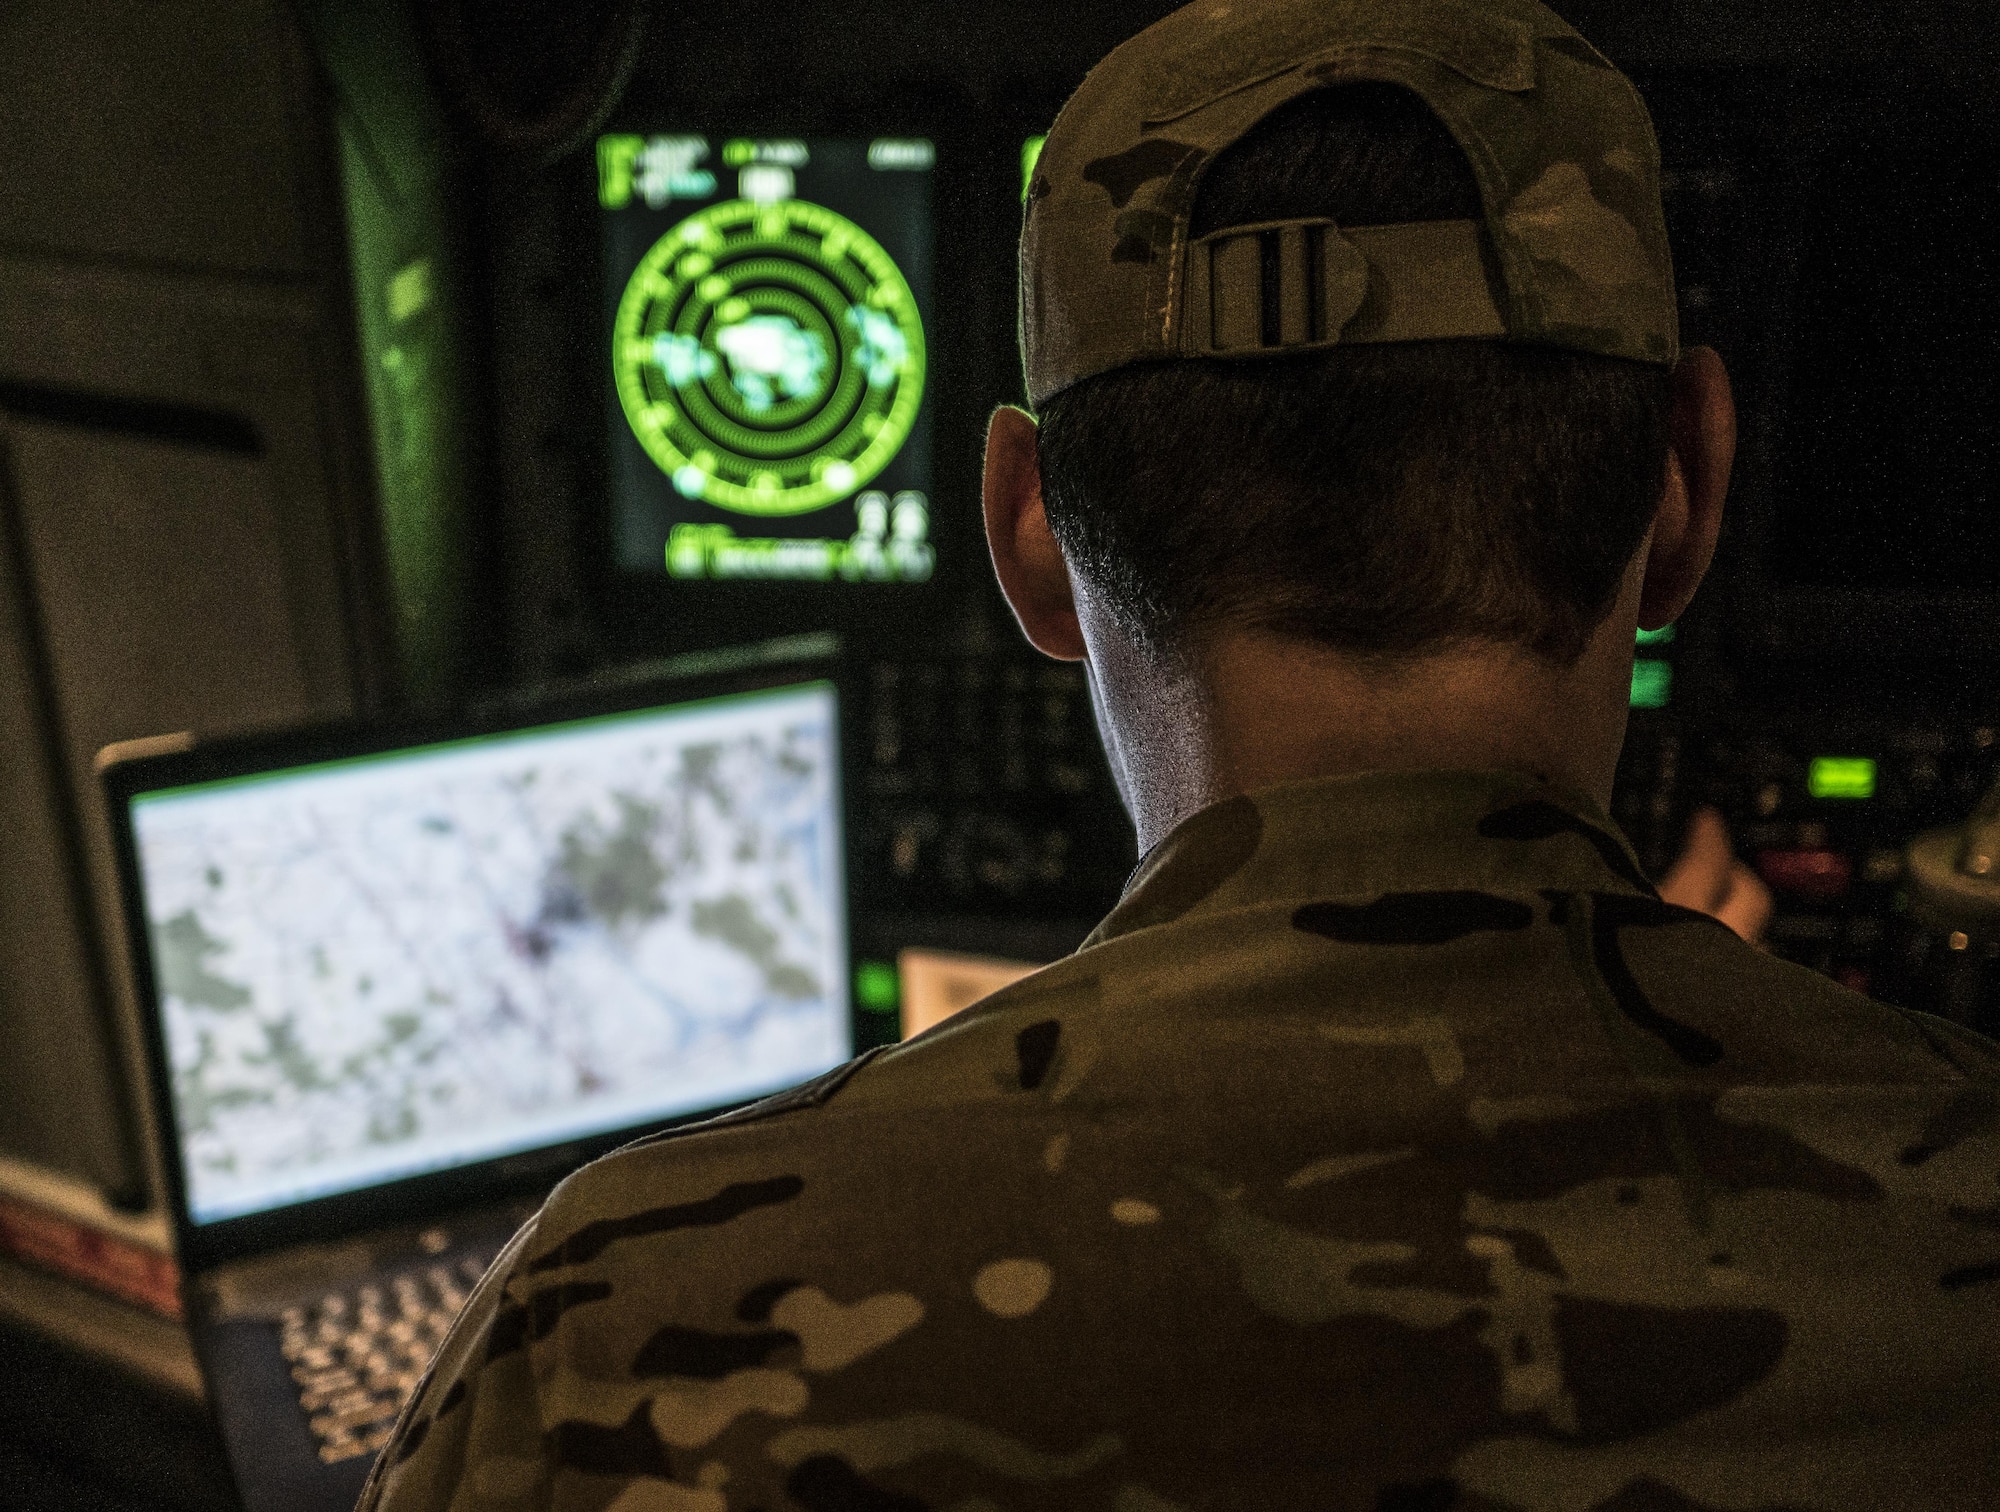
1254	710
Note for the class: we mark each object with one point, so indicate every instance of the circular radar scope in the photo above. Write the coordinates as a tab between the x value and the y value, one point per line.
769	357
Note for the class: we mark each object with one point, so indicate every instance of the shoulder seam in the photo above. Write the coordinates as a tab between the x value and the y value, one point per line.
1941	1046
809	1094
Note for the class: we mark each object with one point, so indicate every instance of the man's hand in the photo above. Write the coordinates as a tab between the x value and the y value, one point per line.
1710	879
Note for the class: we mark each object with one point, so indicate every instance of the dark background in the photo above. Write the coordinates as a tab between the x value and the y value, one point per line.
224	503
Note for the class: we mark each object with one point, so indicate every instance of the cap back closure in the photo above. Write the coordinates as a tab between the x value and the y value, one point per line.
1569	248
1302	285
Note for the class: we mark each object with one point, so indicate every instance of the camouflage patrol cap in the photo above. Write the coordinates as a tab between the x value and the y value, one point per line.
1571	250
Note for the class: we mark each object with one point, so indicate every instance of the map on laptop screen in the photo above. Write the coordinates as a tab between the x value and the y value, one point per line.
393	964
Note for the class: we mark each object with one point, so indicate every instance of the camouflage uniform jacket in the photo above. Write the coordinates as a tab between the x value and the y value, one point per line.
1391	1146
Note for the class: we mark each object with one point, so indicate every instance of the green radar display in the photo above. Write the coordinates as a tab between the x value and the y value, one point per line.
769	357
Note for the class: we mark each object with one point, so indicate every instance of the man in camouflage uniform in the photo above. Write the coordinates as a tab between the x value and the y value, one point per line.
1393	1144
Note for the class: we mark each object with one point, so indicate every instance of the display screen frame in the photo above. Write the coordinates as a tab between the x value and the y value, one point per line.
486	1180
748	300
972	363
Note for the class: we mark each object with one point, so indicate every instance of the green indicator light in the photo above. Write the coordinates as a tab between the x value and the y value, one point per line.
409	291
785	152
877	987
769	357
1664	636
1031	154
616	156
1841	777
1652	684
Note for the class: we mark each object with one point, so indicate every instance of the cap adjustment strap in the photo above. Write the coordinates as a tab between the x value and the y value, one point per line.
1298	285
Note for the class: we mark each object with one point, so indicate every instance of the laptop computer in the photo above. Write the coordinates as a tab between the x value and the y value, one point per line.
396	984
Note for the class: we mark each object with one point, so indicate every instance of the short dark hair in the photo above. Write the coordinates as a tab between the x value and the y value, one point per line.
1384	500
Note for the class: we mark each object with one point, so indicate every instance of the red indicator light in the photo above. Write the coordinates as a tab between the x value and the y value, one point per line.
1821	875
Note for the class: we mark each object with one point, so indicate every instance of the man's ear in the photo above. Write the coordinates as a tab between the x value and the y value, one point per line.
1690	516
1030	565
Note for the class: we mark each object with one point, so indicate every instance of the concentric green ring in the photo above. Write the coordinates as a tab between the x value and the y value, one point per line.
793	259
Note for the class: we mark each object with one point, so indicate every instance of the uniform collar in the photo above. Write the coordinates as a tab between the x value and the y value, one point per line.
1376	833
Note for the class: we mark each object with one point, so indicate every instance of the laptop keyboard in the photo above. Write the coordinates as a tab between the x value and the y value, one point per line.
358	1355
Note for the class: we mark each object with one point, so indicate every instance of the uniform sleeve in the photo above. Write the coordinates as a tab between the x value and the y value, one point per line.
471	1436
1967	1049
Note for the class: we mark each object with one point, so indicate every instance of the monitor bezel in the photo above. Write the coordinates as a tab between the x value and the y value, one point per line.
615	431
498	1179
972	360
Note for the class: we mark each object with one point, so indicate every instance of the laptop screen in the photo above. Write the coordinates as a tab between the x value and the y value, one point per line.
377	967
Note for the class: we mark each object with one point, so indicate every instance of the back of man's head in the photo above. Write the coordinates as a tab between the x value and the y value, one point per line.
1384	500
